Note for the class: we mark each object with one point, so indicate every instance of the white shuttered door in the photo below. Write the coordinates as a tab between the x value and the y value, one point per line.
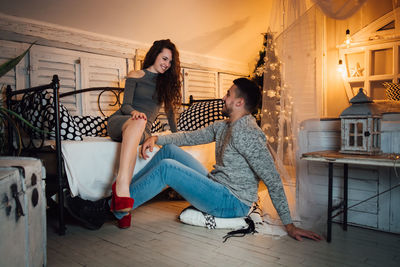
17	77
225	82
200	84
101	71
78	70
46	61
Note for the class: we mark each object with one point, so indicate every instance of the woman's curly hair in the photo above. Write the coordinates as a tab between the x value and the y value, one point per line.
168	88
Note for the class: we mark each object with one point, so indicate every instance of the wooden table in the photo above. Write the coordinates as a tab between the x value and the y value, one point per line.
387	160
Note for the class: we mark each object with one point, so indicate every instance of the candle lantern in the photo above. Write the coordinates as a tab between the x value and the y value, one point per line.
361	126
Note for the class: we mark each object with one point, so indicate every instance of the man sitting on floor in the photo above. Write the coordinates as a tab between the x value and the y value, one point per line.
242	159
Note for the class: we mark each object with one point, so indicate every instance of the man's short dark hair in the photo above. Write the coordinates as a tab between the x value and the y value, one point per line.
250	92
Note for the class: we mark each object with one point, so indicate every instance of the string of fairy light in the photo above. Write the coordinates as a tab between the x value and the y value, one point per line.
277	103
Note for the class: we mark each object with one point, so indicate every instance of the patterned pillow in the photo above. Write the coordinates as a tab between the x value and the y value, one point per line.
97	126
92	125
157	126
200	114
38	109
392	91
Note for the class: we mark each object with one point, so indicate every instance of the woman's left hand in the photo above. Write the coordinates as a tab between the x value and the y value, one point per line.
138	115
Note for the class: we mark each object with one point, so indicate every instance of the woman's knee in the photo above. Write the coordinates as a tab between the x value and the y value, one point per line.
138	125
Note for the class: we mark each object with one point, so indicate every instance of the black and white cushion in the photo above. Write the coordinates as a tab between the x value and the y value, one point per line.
200	114
92	125
97	126
157	126
392	91
38	110
68	128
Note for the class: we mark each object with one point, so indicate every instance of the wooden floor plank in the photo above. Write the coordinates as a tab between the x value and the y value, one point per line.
157	238
59	259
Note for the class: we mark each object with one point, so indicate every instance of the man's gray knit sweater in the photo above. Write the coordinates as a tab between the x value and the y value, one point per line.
242	158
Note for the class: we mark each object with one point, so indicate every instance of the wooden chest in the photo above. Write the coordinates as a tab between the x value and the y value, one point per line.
22	212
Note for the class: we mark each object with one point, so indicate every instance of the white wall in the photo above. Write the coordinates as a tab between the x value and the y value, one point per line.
228	29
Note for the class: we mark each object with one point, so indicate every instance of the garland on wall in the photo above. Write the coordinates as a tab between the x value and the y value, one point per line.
258	73
276	103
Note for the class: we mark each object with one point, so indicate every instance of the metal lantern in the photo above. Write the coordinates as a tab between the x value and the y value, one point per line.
361	126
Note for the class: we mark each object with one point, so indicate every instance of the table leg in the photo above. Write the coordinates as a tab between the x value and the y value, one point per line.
330	185
345	194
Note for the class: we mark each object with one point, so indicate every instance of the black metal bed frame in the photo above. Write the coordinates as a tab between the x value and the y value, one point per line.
11	102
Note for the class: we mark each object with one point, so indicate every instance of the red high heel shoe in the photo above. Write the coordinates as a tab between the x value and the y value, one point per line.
120	203
125	222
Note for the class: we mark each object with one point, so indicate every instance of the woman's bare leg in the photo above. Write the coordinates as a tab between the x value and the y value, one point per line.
132	131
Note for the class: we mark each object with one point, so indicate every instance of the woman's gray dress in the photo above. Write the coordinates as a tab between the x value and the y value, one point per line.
140	95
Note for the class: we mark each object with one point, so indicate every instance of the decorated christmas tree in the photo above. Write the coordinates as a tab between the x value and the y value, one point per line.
276	103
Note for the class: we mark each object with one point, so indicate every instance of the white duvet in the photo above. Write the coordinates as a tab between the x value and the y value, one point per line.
91	165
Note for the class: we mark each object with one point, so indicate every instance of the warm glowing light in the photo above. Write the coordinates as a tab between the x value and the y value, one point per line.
348	38
341	68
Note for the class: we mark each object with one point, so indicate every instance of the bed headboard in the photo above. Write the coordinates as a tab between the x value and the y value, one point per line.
13	100
40	106
115	91
192	100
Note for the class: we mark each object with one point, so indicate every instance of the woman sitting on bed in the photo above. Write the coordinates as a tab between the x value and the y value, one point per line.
158	83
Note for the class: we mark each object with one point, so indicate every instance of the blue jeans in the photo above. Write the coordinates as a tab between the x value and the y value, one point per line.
178	169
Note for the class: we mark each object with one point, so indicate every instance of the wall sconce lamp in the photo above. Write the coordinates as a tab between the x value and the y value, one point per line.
348	38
